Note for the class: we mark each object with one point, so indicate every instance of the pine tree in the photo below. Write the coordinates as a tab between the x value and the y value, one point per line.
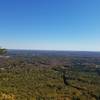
2	51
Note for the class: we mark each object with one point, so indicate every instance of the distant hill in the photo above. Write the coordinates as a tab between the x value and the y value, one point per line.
52	53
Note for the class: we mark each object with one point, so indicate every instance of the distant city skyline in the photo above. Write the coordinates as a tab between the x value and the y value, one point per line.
50	24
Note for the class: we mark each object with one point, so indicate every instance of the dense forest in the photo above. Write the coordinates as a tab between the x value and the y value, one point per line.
49	78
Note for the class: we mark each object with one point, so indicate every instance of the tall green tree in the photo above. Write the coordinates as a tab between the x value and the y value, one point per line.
2	51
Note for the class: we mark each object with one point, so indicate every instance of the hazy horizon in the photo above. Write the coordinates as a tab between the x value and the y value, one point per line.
52	50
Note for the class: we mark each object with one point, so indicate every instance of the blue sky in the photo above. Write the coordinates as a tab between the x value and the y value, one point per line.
50	24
